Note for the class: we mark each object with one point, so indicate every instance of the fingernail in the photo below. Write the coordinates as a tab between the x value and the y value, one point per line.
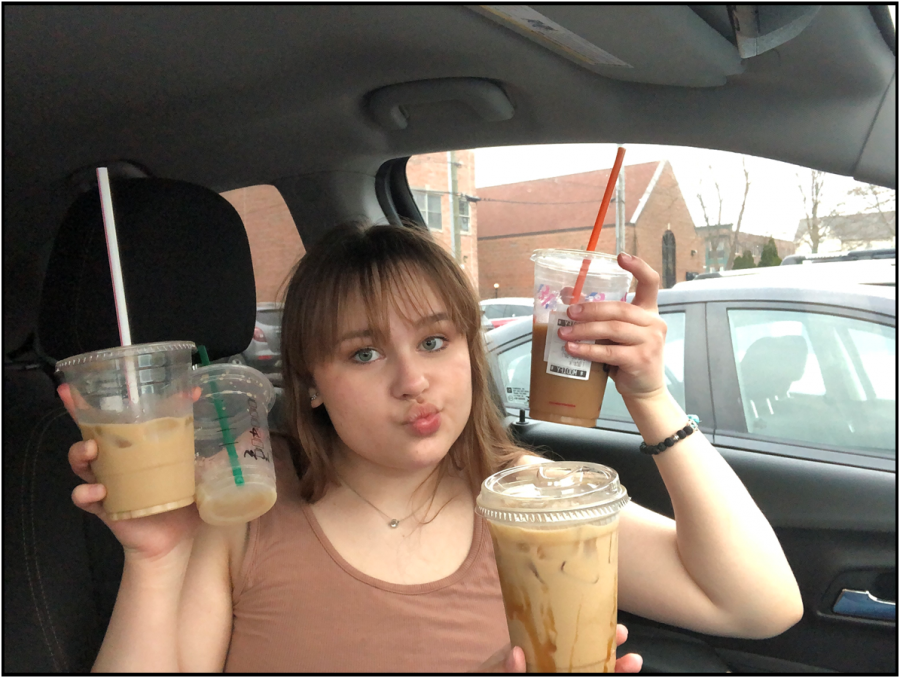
565	331
626	256
575	310
573	347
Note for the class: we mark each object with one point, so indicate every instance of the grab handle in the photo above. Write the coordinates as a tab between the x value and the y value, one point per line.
388	104
864	605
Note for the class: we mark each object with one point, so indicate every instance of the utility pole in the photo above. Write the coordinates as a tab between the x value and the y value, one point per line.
455	239
620	211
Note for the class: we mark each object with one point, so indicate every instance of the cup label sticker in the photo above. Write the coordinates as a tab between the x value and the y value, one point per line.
559	362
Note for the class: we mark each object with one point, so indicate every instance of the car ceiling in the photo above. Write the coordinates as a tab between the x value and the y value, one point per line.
235	95
232	95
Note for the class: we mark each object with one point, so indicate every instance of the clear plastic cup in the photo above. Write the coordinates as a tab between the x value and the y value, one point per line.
565	389
555	530
135	401
235	481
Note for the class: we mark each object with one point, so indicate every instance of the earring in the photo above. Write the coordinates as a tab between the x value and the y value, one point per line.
313	397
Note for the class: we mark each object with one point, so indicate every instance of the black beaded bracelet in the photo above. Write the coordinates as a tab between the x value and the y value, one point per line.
681	434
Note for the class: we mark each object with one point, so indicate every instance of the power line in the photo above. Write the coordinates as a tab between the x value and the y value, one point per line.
511	202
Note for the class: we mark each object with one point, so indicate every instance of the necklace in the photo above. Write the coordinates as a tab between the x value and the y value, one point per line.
393	523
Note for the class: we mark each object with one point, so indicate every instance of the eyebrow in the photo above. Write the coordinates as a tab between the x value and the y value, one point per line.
425	321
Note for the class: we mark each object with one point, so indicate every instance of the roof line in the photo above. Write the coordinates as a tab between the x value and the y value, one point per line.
646	196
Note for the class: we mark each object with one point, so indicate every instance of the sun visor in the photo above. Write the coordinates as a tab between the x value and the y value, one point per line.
653	44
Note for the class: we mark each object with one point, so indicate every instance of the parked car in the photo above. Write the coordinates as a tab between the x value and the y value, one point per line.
264	351
782	370
875	271
852	255
324	104
498	312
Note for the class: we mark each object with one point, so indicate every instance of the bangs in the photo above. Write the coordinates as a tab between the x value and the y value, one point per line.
379	271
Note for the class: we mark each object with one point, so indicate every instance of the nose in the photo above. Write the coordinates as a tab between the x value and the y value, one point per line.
410	380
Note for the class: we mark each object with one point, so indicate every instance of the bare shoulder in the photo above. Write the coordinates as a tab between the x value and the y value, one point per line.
527	459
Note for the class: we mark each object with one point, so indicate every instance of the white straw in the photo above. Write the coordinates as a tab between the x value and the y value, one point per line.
115	268
112	248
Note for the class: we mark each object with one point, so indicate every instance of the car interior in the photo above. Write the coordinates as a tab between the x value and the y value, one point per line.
327	102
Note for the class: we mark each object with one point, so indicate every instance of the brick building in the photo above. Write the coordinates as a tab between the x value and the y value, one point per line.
275	244
717	245
516	219
430	178
276	247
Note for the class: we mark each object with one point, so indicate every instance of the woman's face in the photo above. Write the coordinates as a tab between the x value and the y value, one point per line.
401	404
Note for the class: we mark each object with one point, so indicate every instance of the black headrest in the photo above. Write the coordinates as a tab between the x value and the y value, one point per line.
186	267
772	364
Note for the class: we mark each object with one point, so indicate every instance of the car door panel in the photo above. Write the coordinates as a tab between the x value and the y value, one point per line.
833	508
831	521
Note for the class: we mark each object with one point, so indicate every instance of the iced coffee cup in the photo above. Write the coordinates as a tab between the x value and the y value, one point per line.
555	533
135	402
565	389
234	467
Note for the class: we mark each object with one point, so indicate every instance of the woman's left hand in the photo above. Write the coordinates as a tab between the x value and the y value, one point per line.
512	659
636	332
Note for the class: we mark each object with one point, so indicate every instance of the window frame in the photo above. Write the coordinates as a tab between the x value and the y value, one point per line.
731	425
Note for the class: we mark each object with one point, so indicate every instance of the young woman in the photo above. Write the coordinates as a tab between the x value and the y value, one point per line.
373	558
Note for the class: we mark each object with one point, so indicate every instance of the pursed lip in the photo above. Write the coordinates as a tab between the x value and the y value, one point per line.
420	412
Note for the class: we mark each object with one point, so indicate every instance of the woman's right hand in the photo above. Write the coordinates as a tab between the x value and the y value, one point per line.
146	538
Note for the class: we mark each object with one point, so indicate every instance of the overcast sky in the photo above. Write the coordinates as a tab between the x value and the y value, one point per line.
774	204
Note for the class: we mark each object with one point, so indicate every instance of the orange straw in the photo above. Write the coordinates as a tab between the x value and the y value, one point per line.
598	225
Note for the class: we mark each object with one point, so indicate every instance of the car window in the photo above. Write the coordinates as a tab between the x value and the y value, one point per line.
275	247
494	311
275	244
816	378
515	371
518	311
269	316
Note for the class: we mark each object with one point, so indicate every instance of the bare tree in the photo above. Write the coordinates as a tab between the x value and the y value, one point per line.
882	201
712	173
737	226
816	230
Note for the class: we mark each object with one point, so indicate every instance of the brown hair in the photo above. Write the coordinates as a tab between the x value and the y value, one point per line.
384	265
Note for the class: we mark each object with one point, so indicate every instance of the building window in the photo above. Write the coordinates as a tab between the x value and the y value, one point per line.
668	259
464	216
429	205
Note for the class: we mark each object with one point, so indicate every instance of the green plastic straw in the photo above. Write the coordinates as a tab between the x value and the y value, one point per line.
227	438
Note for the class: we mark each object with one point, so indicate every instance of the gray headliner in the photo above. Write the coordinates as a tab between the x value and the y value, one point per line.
196	91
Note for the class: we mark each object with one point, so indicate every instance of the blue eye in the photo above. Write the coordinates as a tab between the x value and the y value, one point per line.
434	343
365	355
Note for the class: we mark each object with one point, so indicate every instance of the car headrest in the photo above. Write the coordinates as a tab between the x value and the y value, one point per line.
772	364
186	268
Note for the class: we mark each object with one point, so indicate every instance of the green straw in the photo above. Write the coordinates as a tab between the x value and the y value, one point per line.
227	438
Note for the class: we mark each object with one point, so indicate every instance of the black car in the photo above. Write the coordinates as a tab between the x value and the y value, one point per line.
323	105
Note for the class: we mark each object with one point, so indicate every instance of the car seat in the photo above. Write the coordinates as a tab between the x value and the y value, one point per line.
188	275
768	368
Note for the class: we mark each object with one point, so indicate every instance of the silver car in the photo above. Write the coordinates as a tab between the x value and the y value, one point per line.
264	351
497	312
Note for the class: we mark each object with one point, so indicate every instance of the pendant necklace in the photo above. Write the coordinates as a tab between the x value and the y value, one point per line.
393	523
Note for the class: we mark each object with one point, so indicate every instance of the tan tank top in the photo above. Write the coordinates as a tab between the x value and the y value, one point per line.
299	607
